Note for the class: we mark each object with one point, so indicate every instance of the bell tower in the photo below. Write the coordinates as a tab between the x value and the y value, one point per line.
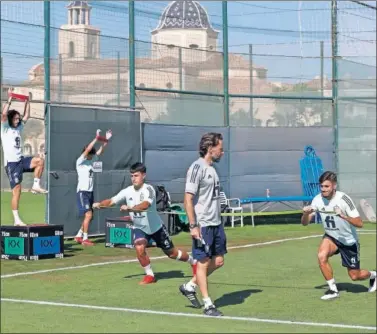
78	40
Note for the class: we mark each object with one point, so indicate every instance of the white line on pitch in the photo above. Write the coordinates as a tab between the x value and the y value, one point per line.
152	258
192	315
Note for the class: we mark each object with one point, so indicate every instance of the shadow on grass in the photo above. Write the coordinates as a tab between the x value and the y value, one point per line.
348	287
235	298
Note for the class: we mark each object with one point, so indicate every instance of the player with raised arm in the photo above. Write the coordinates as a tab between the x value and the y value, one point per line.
85	196
140	200
12	125
339	218
202	205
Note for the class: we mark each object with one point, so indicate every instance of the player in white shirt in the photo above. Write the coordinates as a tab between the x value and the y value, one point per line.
85	197
340	218
140	200
12	125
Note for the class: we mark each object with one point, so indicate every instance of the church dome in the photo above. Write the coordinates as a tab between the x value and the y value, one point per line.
184	15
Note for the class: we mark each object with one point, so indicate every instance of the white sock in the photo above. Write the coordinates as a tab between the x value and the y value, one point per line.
148	270
373	274
16	216
85	236
332	285
191	260
37	182
80	233
190	286
207	302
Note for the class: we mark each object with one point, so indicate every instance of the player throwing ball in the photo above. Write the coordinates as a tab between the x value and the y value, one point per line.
140	201
85	198
12	126
340	219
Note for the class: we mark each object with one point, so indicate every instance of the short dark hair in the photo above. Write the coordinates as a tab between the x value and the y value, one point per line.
11	114
328	176
93	151
207	140
138	167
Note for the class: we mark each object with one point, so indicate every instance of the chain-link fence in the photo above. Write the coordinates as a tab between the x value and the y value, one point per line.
237	63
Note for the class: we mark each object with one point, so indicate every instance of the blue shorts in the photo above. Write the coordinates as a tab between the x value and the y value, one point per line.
15	170
215	243
85	200
161	237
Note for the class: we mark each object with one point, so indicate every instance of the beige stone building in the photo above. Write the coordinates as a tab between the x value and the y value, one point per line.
182	54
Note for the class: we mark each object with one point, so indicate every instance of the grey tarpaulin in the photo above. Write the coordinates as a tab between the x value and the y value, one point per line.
71	128
255	158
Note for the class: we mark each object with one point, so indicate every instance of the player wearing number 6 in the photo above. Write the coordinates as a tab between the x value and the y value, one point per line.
12	125
85	198
340	218
141	204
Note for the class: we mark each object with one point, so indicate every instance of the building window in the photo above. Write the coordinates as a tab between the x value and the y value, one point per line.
71	50
193	46
142	85
92	50
42	149
169	85
27	149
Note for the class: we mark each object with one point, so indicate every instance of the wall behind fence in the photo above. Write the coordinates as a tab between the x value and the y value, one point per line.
254	158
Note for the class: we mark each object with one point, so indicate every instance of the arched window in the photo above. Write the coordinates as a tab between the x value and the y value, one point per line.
71	50
169	85
27	149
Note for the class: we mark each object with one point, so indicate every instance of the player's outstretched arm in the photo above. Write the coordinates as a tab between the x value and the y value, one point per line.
4	112
26	115
307	215
89	147
143	206
106	203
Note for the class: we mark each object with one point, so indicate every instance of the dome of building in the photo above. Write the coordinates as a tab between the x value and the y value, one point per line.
83	4
184	15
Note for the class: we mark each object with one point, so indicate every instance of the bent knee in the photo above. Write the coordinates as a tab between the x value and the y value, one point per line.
89	214
219	262
323	257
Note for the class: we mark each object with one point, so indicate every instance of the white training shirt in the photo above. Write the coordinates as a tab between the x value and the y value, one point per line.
85	173
149	221
335	226
12	142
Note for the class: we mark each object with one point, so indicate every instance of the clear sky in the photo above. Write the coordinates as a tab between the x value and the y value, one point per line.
278	30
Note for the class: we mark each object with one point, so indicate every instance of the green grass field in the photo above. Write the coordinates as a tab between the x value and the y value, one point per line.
273	287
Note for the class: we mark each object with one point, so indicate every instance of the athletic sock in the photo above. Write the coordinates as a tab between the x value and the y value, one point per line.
332	285
207	302
148	270
37	182
190	286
